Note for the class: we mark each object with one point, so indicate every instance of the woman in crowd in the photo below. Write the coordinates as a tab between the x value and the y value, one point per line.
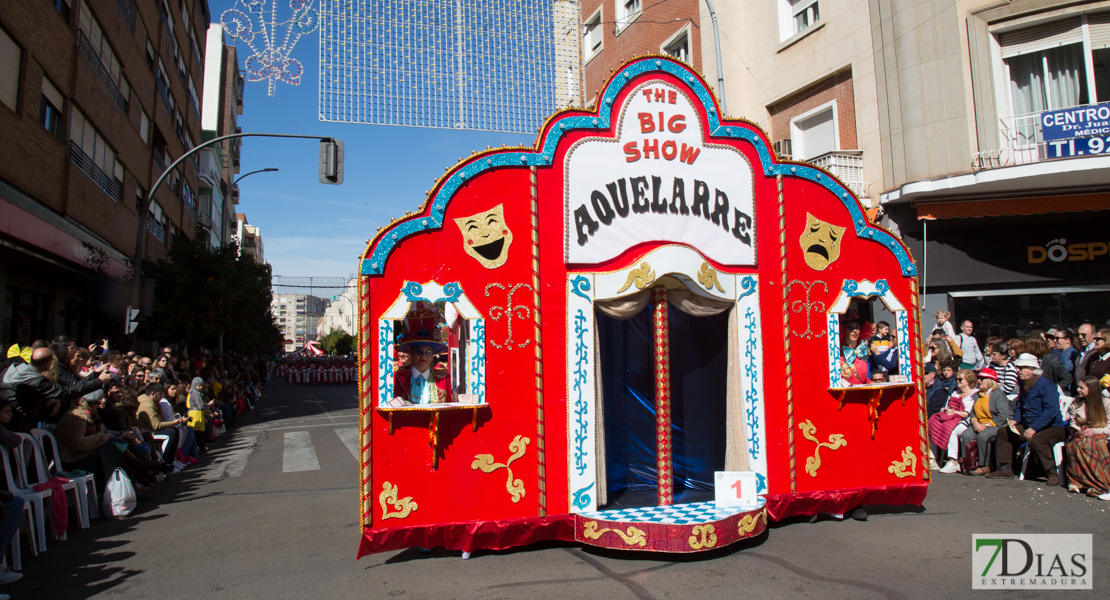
991	411
1088	456
952	420
1097	363
198	413
1016	346
83	446
1054	370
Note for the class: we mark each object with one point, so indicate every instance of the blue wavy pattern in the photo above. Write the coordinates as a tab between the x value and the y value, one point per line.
412	291
385	361
581	498
747	283
833	340
751	391
579	286
478	361
375	264
580	377
904	364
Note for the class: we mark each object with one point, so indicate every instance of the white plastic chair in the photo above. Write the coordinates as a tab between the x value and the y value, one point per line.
37	500
43	473
1057	455
27	525
86	484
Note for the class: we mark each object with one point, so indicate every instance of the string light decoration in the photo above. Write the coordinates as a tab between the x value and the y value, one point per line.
493	65
271	41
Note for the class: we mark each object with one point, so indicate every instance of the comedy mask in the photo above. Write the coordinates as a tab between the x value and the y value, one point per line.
820	243
486	237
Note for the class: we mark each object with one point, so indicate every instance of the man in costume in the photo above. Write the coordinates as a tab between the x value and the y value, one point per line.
425	381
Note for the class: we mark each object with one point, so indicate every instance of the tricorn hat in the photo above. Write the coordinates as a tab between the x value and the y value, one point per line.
422	327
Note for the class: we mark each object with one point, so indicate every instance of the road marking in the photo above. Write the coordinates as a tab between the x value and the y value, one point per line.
349	436
233	459
299	454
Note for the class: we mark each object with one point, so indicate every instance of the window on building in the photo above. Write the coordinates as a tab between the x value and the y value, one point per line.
64	8
10	57
110	70
149	56
92	155
814	133
50	108
805	13
627	11
593	33
679	46
140	196
144	127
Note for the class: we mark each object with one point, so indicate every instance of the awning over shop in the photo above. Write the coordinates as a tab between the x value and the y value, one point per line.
1012	206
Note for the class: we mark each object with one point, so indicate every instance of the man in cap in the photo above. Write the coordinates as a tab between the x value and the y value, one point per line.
1037	420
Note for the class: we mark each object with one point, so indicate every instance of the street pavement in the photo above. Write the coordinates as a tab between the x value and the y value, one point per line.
272	513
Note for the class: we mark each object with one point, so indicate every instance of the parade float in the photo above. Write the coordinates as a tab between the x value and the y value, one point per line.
639	332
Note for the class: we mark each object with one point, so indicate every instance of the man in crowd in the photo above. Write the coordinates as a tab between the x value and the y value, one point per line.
1086	349
1037	420
969	346
35	398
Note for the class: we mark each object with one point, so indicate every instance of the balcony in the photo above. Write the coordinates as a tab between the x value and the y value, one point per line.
159	162
847	165
207	168
127	8
1022	142
85	163
158	229
164	92
165	19
101	71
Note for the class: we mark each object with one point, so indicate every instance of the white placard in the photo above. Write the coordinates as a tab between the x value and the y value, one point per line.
735	488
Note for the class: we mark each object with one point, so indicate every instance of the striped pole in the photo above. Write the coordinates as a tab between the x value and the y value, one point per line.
541	456
664	474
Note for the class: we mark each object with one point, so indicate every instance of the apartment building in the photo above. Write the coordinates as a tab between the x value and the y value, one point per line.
97	98
297	317
342	313
978	127
223	103
249	239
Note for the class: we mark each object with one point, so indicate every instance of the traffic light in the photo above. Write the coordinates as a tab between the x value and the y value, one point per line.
132	313
331	161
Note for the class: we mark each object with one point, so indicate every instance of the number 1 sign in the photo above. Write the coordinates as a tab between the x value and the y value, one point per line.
735	488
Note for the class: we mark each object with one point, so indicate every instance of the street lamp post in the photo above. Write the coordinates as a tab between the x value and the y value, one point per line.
233	189
140	234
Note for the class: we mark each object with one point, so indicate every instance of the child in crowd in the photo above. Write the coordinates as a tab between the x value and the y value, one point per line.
944	322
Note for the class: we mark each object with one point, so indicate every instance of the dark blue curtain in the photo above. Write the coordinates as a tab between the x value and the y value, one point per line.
699	358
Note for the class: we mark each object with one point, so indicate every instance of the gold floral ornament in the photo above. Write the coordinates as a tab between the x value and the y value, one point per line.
404	506
486	237
707	538
642	276
749	522
835	442
634	536
907	467
707	276
485	462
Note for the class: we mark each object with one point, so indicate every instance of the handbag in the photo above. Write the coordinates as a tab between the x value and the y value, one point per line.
119	495
196	419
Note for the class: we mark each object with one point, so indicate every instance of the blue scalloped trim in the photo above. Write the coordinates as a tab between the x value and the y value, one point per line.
384	245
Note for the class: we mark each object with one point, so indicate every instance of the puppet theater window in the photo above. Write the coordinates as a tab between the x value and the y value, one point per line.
455	321
858	350
632	446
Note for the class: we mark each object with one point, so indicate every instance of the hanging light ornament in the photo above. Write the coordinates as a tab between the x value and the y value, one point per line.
271	41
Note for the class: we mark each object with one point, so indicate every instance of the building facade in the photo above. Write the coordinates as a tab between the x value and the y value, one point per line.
249	239
297	316
223	103
97	98
342	313
932	112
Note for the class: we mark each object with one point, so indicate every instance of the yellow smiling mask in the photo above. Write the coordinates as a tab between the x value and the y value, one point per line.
486	237
820	243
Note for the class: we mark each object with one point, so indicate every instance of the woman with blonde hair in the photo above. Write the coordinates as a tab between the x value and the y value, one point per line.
991	411
1088	456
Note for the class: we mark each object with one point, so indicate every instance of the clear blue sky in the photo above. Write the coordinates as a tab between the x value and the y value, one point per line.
311	229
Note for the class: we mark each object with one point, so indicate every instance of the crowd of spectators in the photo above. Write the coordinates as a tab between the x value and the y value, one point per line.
150	415
1041	399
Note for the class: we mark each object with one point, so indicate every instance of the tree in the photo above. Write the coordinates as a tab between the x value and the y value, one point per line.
201	293
337	341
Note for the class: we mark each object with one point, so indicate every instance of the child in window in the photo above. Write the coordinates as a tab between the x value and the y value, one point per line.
884	350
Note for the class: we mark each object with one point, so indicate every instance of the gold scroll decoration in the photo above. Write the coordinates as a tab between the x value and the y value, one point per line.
634	536
707	276
907	467
749	522
485	462
835	442
703	537
642	276
404	506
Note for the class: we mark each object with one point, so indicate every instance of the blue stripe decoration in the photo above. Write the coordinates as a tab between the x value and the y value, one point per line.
375	264
580	378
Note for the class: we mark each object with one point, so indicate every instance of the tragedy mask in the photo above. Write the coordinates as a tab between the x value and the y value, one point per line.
820	243
486	237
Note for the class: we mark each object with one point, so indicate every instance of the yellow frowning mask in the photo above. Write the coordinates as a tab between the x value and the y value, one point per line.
820	243
486	237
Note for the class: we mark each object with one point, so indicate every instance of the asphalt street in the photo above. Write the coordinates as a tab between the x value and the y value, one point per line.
272	513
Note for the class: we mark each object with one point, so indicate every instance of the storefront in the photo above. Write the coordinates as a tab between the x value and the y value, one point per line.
1012	265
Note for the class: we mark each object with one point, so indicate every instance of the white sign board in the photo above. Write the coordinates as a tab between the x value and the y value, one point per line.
735	488
659	181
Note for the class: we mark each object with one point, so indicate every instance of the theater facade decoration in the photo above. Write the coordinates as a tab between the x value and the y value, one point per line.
680	304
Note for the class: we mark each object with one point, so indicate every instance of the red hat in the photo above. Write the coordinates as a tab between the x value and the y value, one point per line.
989	373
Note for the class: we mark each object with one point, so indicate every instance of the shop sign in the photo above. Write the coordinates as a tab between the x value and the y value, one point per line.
1089	146
1075	122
